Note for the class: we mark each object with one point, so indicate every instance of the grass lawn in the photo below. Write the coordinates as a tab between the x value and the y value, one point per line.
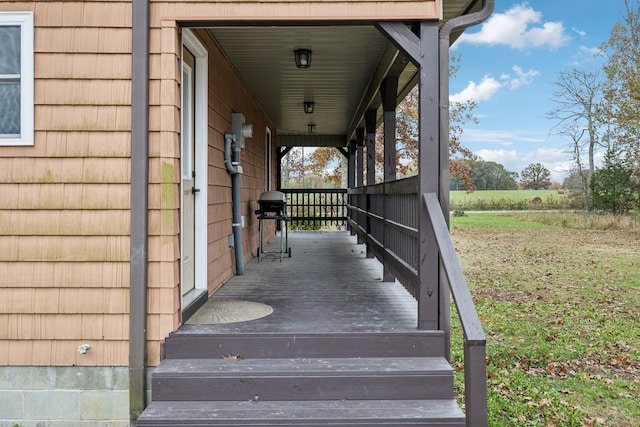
559	297
509	200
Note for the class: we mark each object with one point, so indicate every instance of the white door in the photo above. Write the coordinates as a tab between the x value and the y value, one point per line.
189	190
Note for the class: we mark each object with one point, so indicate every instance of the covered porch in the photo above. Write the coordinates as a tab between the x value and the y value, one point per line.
328	285
360	318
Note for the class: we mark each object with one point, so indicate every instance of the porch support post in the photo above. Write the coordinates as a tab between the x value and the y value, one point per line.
139	208
389	93
424	51
370	124
351	176
360	175
430	174
360	157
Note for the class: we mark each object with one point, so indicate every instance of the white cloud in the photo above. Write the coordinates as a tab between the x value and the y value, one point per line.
488	86
579	32
522	78
500	137
519	28
586	54
482	91
595	52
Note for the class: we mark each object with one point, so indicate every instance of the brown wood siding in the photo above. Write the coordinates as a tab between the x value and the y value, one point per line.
64	202
227	94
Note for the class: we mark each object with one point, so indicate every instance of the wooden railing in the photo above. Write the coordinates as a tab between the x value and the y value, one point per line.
475	370
385	217
316	208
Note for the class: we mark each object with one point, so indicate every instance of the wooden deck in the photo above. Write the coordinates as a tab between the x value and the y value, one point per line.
327	285
341	348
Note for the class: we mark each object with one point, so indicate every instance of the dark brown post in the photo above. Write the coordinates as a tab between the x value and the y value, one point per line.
430	173
360	174
360	157
370	124
424	52
389	93
351	176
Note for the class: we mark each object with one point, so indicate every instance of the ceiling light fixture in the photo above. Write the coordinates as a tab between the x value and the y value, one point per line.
312	128
308	107
303	58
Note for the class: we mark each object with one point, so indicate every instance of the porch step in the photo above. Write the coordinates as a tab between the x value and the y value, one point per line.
334	413
405	378
378	379
197	345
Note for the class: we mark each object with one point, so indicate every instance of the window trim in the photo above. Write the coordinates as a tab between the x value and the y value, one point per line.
25	21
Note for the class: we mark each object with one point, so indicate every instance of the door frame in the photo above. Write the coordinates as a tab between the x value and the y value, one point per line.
191	42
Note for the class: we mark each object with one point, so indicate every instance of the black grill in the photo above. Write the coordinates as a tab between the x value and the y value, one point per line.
273	206
274	202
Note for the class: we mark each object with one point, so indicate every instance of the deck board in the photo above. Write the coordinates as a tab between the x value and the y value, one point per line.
327	285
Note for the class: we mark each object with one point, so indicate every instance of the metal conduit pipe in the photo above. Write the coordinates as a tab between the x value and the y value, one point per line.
138	245
232	163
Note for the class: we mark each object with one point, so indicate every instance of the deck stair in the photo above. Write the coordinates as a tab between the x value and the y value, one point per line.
303	379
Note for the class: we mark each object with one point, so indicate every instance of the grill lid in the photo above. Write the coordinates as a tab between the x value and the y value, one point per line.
273	196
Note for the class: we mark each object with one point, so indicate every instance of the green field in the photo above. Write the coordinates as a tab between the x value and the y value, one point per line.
510	200
558	295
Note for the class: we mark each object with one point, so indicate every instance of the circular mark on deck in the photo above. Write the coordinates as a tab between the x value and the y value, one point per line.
220	311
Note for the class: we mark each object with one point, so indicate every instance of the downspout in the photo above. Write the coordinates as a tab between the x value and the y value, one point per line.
139	207
445	31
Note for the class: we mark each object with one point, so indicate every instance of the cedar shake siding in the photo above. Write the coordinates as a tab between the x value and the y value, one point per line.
64	205
64	201
226	94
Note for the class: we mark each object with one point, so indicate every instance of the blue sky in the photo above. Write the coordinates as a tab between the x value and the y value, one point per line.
509	64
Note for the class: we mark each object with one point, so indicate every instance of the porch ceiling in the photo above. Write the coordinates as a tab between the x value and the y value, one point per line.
349	62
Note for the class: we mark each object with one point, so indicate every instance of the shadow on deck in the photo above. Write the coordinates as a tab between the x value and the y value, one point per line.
327	285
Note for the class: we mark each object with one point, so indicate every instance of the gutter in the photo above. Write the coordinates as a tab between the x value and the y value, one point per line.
139	207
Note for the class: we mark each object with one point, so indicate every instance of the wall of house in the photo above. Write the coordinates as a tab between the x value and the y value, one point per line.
64	224
64	202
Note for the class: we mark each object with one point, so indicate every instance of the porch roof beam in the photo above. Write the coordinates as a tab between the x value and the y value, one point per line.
372	93
312	140
403	38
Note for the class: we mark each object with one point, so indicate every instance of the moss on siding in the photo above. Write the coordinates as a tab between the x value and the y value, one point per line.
168	188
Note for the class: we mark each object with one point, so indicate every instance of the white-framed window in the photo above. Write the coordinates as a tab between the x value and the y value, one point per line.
16	78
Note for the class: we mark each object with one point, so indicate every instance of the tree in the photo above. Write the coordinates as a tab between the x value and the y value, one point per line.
488	176
579	98
613	187
535	177
492	176
292	168
623	91
327	162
